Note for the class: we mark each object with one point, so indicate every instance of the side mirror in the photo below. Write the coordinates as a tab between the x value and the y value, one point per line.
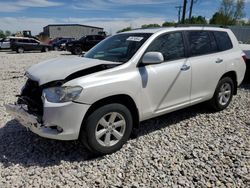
152	58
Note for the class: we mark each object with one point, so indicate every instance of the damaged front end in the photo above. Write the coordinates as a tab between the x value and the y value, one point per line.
40	107
28	109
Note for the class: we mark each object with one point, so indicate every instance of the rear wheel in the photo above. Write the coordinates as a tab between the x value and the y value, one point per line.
223	94
78	50
107	128
20	50
45	49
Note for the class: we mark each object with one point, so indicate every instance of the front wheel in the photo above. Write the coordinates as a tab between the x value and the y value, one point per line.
223	94
78	50
20	50
107	128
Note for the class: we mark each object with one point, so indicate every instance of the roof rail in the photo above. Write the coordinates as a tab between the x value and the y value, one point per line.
148	28
201	25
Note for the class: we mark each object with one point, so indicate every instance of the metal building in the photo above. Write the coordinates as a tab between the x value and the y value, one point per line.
70	30
242	33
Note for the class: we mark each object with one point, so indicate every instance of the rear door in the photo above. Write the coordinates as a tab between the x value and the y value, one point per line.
207	64
24	43
89	42
34	45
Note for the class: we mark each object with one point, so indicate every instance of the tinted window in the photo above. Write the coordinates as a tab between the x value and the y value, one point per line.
170	45
214	46
23	40
223	40
199	42
99	37
90	38
33	41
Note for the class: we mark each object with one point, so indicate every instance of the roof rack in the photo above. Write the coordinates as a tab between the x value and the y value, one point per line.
185	25
148	28
200	25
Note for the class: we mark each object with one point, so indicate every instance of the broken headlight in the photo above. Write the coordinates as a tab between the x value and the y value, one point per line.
62	94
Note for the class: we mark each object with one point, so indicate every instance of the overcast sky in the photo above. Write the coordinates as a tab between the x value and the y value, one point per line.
112	15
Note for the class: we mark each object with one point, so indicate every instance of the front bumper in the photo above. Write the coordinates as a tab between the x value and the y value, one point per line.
60	121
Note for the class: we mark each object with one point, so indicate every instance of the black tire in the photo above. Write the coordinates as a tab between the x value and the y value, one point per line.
45	49
78	50
90	128
215	102
20	50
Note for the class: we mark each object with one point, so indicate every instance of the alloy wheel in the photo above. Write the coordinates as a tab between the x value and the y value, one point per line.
224	94
110	129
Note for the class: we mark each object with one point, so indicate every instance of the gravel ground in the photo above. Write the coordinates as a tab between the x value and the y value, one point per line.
187	148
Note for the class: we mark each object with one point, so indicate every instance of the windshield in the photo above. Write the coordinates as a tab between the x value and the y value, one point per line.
118	48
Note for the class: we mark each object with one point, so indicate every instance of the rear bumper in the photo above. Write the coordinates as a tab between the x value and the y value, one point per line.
60	121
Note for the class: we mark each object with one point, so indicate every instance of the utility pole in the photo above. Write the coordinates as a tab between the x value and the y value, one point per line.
184	11
179	13
190	10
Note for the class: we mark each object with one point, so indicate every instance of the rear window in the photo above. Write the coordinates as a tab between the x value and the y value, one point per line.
223	40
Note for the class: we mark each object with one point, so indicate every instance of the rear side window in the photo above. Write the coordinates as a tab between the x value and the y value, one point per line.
199	42
223	40
170	45
99	37
23	40
90	38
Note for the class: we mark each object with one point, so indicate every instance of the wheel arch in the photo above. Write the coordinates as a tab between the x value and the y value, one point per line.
233	76
123	99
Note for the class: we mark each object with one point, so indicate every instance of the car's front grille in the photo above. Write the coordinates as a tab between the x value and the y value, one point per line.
31	95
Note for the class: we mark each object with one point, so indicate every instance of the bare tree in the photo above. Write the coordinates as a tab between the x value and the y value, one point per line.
239	10
232	10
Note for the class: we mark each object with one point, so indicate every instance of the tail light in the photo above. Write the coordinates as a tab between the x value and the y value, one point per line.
244	58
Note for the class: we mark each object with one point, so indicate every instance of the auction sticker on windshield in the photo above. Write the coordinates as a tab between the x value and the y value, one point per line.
137	39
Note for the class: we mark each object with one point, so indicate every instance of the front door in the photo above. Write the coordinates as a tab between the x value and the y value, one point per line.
166	86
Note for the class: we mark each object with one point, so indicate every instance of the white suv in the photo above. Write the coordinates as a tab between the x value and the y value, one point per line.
128	78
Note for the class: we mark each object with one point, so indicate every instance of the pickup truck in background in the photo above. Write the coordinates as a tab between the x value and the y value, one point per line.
83	44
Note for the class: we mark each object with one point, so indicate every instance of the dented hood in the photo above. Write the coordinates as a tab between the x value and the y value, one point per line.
60	68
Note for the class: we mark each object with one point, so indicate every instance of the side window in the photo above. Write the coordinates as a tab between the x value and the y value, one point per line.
33	41
223	40
90	38
99	37
199	42
23	41
170	45
214	46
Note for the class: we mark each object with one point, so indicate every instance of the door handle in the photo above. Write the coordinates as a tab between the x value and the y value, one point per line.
185	67
219	60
